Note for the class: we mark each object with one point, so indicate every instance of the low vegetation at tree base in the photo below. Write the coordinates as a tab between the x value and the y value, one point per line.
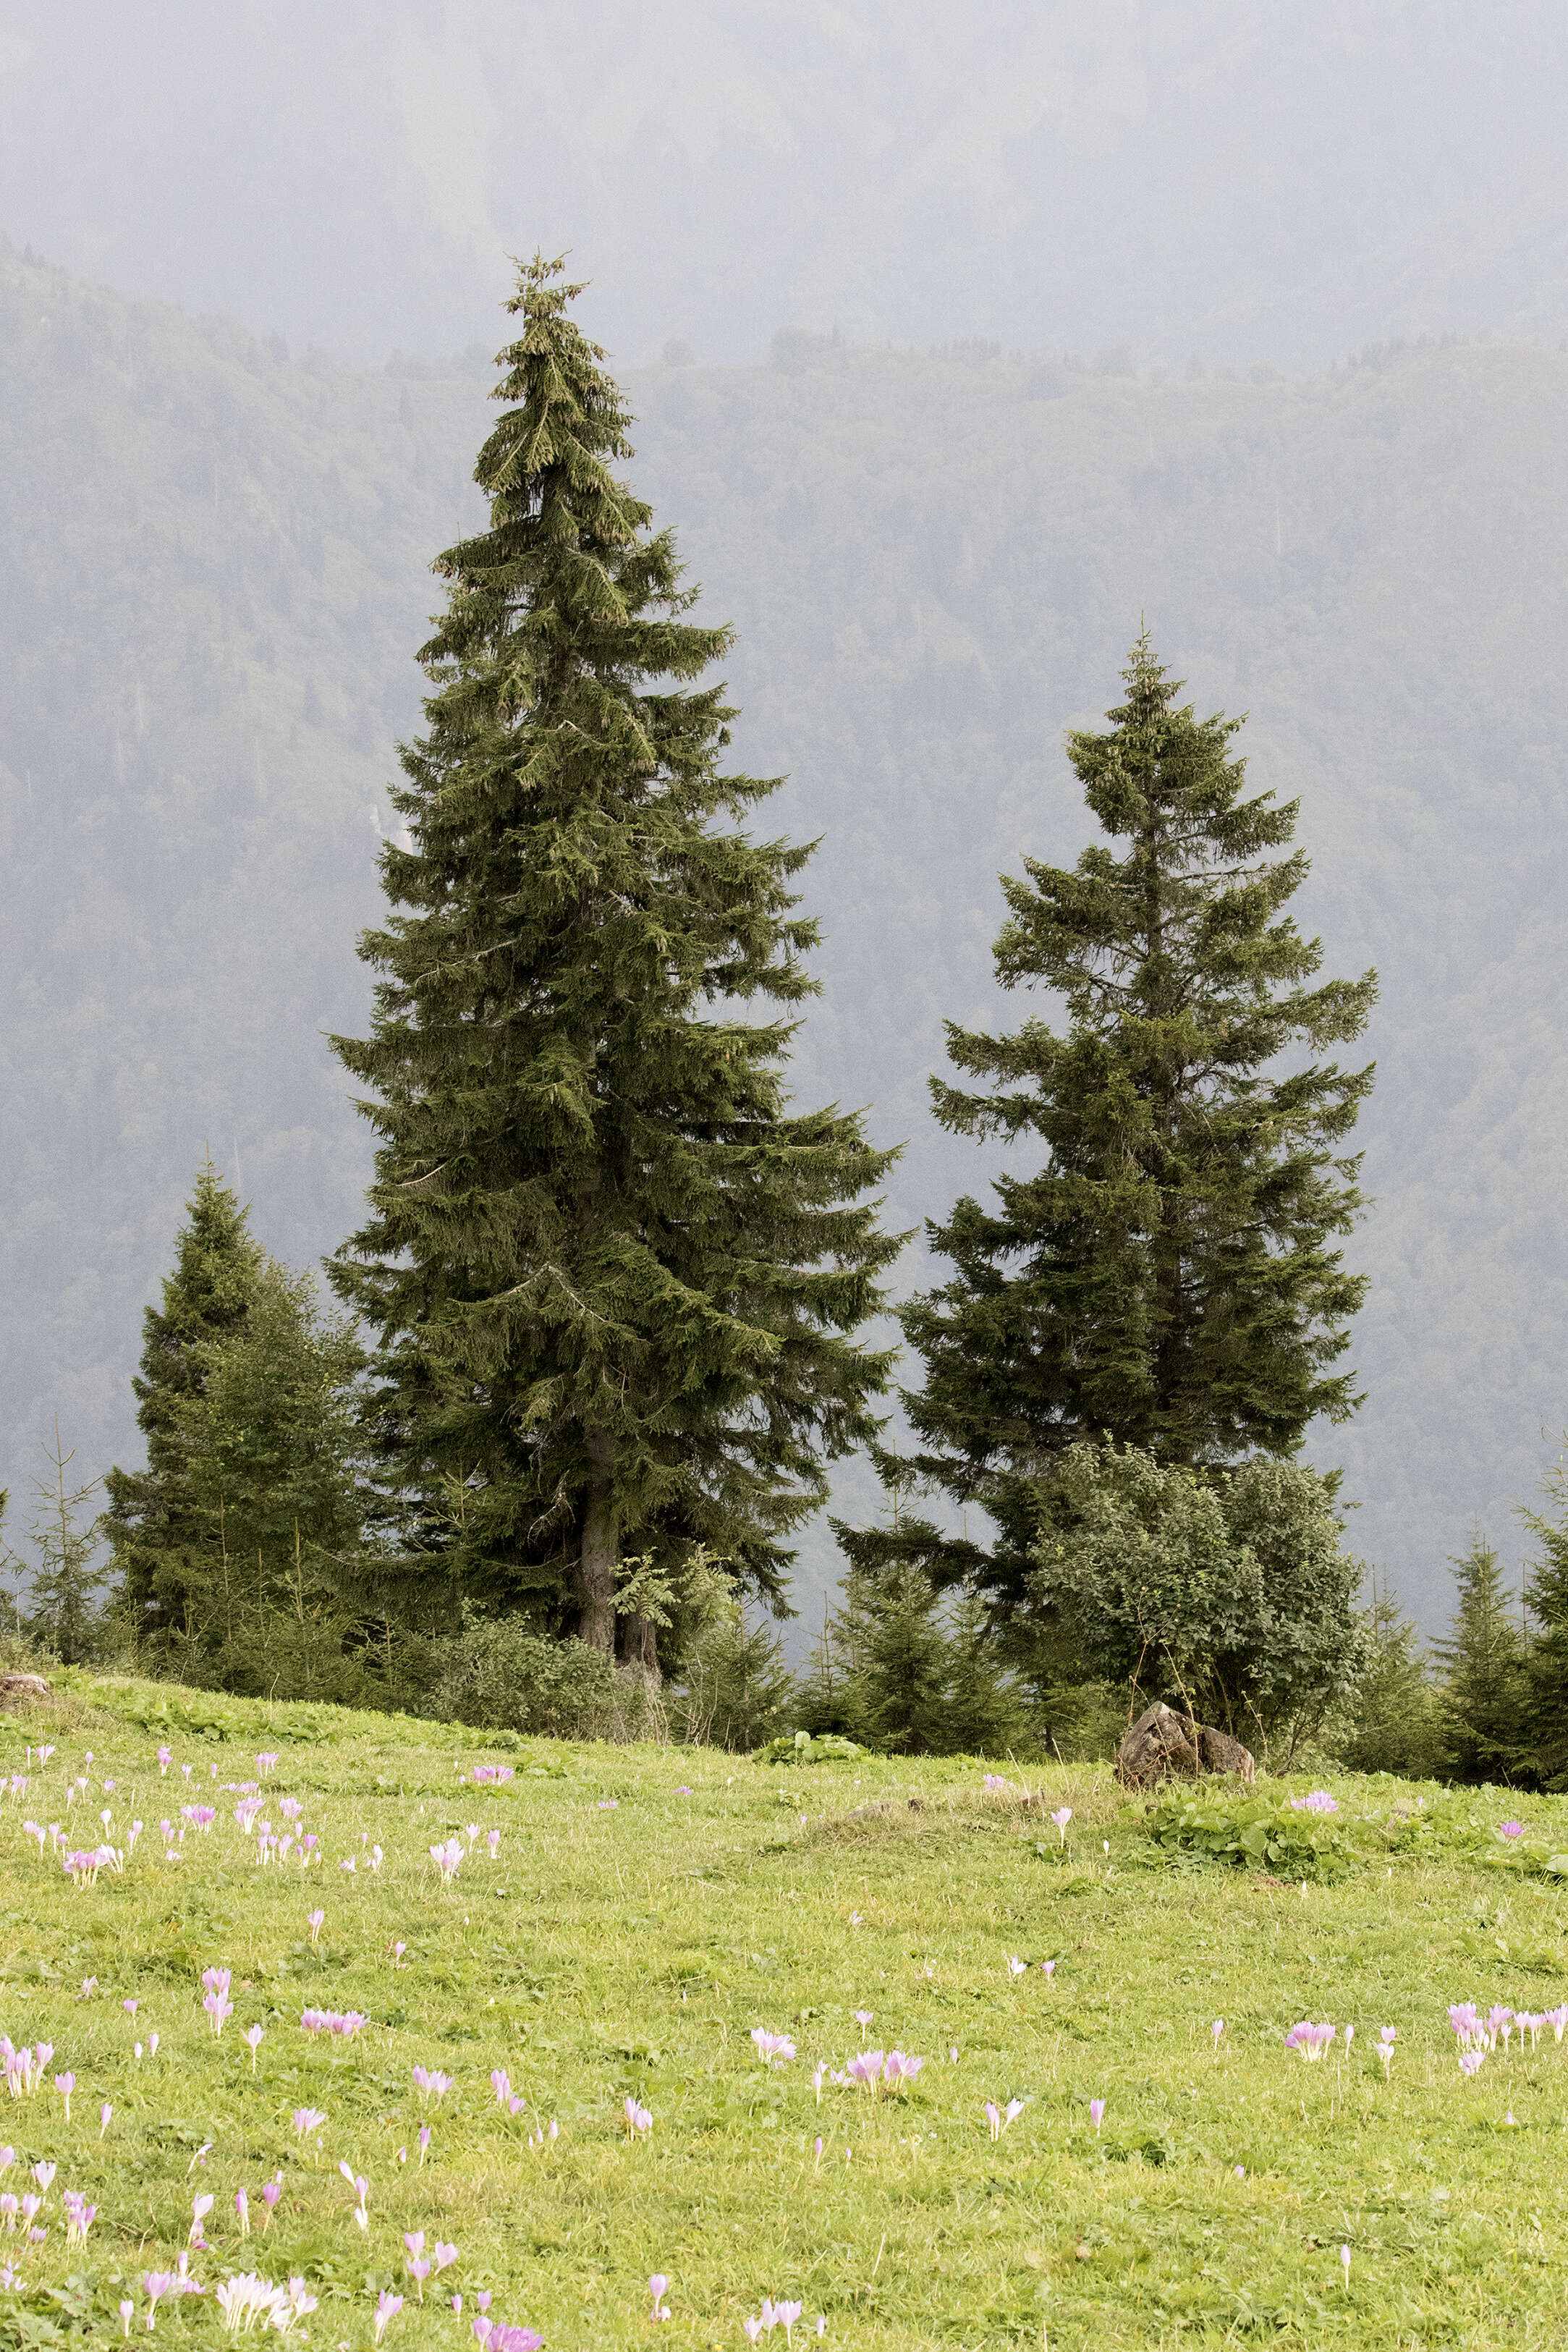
918	2047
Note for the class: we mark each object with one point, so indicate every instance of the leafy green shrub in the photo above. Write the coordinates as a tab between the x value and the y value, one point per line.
1228	1593
498	1675
800	1747
1250	1828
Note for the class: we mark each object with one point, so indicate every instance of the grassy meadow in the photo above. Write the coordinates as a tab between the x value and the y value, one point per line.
644	1910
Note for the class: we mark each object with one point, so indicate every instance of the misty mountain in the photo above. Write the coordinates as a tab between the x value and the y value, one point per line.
1253	184
217	580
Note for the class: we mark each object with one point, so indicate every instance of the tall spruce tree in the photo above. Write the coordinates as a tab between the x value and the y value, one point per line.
616	1280
1166	1277
158	1527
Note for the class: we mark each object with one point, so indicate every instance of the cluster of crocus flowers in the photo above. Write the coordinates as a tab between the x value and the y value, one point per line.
638	2118
497	2335
879	2070
248	2298
772	2315
419	2265
430	2083
505	2097
493	1773
24	2067
448	1858
1386	2039
1317	1801
771	2046
82	1868
79	2217
156	2284
347	2022
216	1998
1471	2031
1310	2040
999	2118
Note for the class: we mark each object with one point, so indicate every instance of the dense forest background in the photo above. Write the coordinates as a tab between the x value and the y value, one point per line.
215	580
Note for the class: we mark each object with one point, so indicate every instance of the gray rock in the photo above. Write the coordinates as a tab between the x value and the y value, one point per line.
1165	1746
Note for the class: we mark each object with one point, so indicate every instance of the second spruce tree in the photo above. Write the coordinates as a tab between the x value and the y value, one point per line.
1166	1274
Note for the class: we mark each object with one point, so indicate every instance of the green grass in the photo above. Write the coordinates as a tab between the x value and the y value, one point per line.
631	1951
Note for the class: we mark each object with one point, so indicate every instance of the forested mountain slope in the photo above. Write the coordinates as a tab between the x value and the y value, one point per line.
214	586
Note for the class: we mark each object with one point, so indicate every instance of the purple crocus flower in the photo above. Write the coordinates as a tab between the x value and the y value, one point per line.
658	2287
1511	1829
1096	2115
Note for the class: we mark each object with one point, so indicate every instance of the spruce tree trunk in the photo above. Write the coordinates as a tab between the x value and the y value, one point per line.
596	1573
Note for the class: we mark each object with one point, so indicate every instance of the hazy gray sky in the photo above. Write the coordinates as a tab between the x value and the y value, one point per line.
1240	178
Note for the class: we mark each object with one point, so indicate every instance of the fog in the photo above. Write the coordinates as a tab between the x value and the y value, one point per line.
1255	184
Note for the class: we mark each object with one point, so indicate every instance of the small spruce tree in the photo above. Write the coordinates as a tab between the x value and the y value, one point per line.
1481	1663
156	1526
891	1639
615	1279
1167	1276
1394	1721
68	1576
985	1712
269	1448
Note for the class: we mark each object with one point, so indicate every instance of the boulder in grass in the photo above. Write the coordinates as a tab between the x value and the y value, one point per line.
16	1690
1165	1746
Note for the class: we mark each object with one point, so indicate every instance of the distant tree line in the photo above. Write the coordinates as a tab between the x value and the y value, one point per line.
602	1332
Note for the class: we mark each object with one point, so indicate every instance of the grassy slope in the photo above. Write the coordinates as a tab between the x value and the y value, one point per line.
631	1951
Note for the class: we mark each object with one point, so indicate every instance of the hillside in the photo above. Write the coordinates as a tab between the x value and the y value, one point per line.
364	2006
217	581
